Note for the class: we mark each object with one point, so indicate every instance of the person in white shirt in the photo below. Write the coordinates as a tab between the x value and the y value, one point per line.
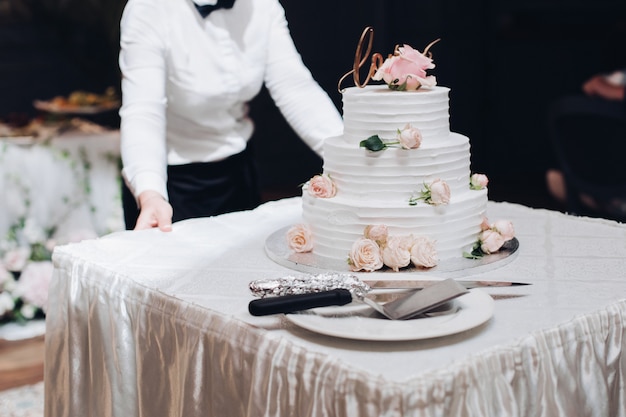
186	82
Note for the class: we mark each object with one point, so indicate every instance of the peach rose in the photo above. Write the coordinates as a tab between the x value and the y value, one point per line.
321	186
378	233
396	253
439	193
478	181
505	228
484	225
424	253
491	241
365	255
299	238
410	137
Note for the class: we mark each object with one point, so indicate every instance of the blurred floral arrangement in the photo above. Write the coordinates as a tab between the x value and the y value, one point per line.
26	269
25	272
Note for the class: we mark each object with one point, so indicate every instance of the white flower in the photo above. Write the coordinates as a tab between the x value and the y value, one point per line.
6	303
28	311
33	232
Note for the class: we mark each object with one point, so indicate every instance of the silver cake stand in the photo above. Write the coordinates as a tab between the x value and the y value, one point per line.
277	250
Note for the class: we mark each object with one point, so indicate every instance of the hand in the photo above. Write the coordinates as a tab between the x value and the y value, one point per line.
155	212
599	86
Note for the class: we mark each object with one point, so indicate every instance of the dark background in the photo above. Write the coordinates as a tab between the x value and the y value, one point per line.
505	62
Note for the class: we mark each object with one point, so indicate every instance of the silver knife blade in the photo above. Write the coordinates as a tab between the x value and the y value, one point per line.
395	284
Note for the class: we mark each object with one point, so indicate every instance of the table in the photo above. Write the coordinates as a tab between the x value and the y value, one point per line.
68	182
150	323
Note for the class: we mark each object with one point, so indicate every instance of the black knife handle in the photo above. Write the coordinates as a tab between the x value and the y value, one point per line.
299	302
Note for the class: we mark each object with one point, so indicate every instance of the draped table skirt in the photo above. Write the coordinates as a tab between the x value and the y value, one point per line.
150	323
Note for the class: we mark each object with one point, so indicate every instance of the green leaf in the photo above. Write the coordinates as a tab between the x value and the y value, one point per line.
373	143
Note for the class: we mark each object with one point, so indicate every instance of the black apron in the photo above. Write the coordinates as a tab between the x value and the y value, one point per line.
203	189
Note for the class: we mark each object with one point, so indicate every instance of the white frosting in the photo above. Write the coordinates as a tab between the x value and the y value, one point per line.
375	187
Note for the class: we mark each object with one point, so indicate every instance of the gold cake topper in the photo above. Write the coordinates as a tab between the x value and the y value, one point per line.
361	56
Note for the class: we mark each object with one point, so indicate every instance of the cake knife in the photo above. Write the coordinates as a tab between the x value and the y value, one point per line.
299	284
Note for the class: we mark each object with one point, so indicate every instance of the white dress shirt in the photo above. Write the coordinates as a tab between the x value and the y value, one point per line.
187	81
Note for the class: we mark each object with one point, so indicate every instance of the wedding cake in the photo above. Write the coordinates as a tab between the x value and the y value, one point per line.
396	187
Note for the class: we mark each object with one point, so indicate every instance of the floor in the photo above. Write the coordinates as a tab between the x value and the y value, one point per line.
21	363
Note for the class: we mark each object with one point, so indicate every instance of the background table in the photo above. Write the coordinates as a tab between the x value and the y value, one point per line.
70	182
152	323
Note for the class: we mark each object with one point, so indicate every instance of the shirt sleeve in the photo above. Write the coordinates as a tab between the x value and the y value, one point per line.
305	105
142	128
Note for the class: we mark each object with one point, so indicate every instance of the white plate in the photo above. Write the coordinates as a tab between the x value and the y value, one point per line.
475	308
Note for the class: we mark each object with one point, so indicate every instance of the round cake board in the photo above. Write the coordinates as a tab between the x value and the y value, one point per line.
278	250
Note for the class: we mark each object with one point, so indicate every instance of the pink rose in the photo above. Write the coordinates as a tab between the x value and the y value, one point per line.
505	228
396	253
410	137
490	241
321	186
34	282
439	193
378	233
478	181
424	253
299	238
406	70
365	255
15	260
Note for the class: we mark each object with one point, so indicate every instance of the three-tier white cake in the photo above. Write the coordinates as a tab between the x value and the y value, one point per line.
379	188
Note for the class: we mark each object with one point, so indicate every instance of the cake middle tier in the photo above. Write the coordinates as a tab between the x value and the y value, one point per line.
395	173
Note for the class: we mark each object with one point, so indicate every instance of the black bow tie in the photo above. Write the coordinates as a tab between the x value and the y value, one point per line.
207	9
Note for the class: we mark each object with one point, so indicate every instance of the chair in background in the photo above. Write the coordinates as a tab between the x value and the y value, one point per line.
589	140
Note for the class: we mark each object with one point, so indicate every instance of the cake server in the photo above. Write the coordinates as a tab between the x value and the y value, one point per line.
413	304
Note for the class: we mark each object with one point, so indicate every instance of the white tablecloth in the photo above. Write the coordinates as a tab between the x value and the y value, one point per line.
70	182
154	324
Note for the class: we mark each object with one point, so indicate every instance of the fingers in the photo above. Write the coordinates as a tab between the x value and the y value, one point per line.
155	212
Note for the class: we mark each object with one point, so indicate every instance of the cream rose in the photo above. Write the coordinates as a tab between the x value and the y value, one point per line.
365	255
396	253
505	228
478	181
424	253
410	137
439	193
321	186
299	238
491	241
378	233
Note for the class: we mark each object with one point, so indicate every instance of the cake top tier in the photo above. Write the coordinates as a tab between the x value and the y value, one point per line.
377	110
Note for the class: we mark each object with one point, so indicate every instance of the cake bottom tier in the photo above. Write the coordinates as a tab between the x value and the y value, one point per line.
337	223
